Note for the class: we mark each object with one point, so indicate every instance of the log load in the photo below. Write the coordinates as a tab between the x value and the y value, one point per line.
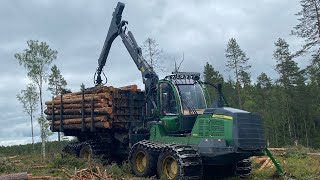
100	107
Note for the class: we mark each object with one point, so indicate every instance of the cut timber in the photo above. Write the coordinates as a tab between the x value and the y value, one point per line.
74	106
20	176
57	117
260	160
94	90
75	100
107	110
87	125
68	96
43	178
131	87
118	106
79	120
278	149
266	162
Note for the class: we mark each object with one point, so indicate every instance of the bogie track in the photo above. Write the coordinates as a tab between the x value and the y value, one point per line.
92	150
243	168
71	149
174	161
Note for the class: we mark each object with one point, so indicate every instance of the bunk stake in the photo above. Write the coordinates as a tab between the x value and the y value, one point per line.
92	115
52	121
131	104
83	127
61	113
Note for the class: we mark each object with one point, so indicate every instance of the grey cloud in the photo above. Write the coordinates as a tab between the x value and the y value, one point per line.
77	29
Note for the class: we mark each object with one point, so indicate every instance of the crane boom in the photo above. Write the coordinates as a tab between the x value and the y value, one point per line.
149	76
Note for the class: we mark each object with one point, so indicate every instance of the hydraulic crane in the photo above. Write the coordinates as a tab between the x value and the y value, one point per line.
118	27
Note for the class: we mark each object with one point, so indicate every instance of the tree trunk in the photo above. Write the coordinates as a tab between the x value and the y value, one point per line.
76	100
79	105
57	93
32	130
238	87
105	125
318	16
79	120
305	128
41	123
107	110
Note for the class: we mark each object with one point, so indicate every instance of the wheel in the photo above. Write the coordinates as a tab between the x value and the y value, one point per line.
142	162
86	152
168	166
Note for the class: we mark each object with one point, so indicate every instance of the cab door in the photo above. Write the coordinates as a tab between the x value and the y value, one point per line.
169	107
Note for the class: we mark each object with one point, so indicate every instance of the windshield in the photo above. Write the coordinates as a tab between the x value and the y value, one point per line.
192	98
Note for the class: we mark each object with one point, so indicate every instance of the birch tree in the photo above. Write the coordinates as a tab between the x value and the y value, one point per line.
29	100
36	59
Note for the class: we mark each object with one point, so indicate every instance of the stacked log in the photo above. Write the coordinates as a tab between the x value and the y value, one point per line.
97	107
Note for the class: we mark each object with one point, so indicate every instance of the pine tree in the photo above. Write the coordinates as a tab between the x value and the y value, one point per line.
245	78
290	77
229	90
214	77
314	69
313	91
57	84
309	24
263	81
237	62
262	96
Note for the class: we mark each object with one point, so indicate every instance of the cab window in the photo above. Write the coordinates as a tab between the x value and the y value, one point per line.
168	103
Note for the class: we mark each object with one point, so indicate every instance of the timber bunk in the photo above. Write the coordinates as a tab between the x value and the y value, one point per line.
95	109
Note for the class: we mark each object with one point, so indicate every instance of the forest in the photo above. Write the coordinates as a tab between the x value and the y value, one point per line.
288	104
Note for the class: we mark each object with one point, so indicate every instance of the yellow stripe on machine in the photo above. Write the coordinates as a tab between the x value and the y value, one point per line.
222	116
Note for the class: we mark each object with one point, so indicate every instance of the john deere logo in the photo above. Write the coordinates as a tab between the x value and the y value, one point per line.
222	116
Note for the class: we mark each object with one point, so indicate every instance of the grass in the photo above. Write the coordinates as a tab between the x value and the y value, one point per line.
297	164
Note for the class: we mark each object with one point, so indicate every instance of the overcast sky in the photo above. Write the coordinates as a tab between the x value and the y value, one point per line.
77	30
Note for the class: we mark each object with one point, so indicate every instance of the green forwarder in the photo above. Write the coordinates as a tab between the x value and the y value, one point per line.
178	136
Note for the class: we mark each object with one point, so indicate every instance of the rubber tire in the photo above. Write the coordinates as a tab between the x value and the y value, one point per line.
150	165
86	149
160	162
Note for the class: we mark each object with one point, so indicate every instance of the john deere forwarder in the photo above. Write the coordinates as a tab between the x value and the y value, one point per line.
179	136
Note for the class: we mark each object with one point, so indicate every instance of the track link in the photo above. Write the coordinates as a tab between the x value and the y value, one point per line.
97	148
71	149
190	163
243	168
189	160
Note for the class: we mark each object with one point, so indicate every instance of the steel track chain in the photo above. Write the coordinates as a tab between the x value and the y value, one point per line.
98	149
243	168
189	158
71	149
